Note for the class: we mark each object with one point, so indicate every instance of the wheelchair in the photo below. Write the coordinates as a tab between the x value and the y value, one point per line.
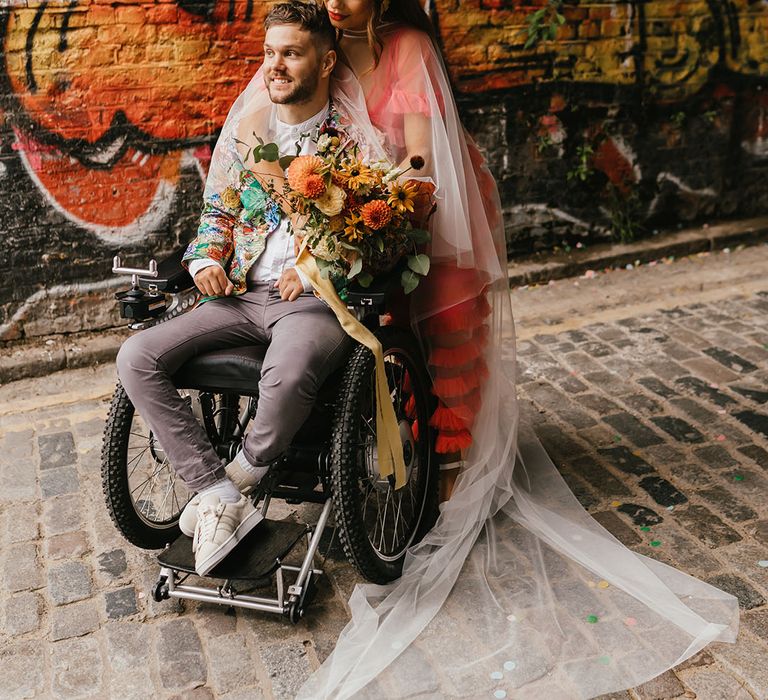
332	461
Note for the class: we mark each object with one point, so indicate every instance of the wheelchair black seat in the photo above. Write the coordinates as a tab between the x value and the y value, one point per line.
231	369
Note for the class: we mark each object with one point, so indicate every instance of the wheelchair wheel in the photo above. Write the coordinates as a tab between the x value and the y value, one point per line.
377	523
143	494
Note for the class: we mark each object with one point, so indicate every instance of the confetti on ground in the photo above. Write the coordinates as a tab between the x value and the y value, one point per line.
720	438
670	508
738	477
497	675
630	622
603	584
645	528
605	660
500	694
510	665
615	504
721	411
763	563
655	543
714	386
512	618
592	619
590	274
617	438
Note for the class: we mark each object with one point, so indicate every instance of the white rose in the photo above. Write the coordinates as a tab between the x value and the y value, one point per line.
332	201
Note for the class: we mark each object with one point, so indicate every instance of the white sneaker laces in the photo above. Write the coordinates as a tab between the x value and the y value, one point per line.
207	520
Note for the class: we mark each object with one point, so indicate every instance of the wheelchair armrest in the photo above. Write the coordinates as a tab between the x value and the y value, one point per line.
171	275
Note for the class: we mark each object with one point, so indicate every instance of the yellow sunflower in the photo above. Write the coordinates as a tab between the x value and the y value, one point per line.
402	197
355	228
355	175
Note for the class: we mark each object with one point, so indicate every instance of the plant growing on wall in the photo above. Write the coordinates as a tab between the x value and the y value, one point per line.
543	24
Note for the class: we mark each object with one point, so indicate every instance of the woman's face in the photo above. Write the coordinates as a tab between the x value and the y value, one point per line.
349	14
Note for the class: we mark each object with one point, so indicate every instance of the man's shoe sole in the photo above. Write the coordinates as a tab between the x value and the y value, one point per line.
251	521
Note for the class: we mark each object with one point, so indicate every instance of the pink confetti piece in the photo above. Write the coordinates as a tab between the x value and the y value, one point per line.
630	621
720	438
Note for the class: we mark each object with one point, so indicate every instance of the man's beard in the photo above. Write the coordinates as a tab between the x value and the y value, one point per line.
302	91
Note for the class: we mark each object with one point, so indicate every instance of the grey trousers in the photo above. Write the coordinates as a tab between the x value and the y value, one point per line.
305	344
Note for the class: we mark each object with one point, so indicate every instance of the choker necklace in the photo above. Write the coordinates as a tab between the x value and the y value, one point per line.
363	33
356	34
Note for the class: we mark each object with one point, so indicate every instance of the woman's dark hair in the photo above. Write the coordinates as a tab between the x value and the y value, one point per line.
308	16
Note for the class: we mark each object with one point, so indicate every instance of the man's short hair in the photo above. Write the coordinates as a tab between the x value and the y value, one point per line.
309	16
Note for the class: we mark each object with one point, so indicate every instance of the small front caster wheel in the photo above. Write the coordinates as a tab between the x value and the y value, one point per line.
160	589
295	611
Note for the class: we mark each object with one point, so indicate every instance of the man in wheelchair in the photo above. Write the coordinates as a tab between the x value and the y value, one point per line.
243	260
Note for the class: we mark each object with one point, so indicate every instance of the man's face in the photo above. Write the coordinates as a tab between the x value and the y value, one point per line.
292	64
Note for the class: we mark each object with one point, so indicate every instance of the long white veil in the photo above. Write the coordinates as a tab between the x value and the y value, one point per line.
516	591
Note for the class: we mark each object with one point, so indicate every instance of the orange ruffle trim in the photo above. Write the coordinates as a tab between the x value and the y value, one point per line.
449	441
467	315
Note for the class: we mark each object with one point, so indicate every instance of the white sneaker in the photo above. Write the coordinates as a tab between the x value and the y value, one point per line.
245	482
188	517
220	526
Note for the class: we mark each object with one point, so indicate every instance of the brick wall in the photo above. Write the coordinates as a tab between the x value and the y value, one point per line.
638	116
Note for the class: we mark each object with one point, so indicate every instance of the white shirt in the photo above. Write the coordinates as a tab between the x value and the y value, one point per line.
278	253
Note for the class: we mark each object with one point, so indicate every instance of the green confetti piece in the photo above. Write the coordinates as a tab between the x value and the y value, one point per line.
617	438
605	660
738	477
645	528
592	619
655	543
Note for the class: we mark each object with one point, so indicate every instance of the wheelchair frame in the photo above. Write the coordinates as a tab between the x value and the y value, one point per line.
145	304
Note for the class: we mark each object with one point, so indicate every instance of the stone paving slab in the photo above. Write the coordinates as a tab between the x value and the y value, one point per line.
656	418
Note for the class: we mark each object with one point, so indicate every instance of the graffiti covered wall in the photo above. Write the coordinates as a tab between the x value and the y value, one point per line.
637	115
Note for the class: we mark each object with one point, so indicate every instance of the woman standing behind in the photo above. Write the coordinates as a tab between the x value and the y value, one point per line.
391	49
500	599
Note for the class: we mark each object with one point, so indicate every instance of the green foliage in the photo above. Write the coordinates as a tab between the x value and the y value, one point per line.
625	211
679	119
410	280
544	23
583	168
419	263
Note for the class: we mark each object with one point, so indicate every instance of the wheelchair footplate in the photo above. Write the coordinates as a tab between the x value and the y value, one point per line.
252	564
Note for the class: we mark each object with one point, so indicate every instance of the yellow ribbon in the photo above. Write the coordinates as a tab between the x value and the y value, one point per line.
388	444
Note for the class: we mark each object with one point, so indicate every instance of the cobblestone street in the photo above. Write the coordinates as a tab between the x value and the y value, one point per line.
649	389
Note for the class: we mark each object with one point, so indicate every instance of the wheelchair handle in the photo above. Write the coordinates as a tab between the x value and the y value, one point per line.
134	272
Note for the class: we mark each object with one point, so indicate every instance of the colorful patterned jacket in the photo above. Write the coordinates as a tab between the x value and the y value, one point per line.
233	228
235	222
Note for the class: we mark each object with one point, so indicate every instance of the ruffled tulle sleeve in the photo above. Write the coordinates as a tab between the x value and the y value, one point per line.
410	83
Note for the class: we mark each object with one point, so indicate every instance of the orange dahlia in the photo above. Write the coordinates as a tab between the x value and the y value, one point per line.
304	176
376	214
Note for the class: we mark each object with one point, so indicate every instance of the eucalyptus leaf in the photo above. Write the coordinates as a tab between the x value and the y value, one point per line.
379	244
419	264
419	235
409	280
357	266
285	161
364	279
270	152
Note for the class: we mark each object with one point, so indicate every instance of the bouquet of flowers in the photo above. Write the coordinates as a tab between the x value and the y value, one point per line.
362	220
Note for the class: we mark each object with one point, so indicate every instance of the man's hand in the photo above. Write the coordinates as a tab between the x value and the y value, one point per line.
297	241
213	281
290	285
